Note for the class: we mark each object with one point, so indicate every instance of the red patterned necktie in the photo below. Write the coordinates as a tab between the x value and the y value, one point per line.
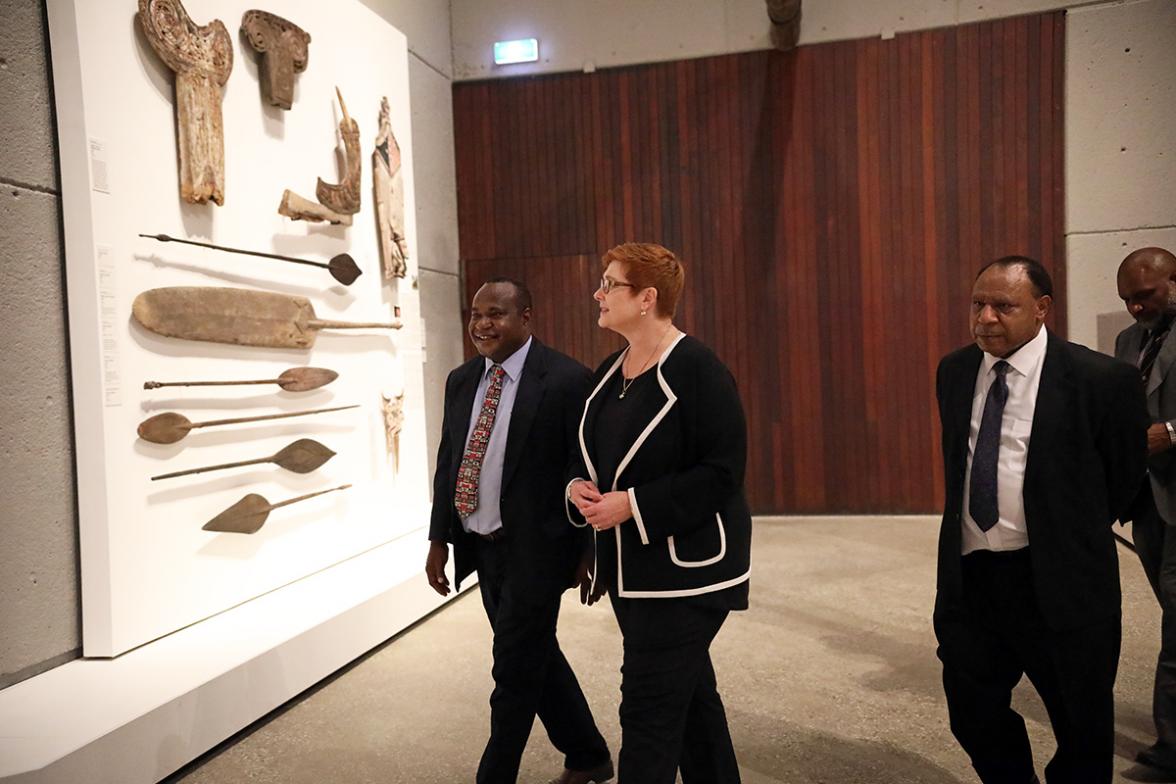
466	496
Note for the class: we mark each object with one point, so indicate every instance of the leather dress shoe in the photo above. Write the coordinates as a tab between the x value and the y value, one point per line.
1158	763
597	775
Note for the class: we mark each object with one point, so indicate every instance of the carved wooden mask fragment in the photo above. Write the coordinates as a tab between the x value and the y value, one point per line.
284	49
202	58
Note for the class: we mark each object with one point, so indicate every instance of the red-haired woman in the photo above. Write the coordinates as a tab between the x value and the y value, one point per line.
663	445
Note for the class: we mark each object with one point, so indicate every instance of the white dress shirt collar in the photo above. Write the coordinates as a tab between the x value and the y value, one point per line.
513	365
1025	359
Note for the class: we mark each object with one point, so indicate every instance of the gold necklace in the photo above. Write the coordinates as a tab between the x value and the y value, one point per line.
626	383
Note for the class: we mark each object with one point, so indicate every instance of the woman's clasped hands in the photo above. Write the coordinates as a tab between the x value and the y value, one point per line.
602	510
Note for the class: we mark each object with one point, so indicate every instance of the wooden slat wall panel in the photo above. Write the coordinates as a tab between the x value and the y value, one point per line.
832	205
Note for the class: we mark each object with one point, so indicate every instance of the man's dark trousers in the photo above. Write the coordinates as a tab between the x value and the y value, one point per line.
531	675
1004	637
1155	542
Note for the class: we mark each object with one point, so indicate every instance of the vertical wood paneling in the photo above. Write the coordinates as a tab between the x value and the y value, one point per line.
831	204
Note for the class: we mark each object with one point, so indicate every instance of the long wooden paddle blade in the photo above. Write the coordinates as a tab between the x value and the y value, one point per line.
166	428
344	269
303	456
247	516
304	379
242	317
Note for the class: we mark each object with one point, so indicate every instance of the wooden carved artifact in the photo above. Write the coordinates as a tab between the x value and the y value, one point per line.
785	17
301	457
284	48
248	515
336	203
202	58
296	379
241	317
389	187
393	408
170	427
342	267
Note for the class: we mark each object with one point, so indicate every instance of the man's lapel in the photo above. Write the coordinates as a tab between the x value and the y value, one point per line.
463	406
1049	410
961	408
526	404
1164	362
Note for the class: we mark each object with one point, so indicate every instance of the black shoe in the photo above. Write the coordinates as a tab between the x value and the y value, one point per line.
1156	763
597	775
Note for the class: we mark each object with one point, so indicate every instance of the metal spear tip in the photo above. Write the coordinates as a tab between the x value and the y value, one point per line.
344	269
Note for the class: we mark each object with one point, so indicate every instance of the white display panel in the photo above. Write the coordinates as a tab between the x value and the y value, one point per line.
147	567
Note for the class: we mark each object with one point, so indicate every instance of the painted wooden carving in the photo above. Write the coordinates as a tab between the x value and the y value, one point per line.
389	188
202	58
336	203
284	48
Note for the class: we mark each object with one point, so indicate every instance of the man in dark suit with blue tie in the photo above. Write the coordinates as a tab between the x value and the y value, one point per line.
1044	447
498	498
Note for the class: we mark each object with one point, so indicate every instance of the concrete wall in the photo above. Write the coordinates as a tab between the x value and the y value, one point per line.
574	33
39	586
1120	152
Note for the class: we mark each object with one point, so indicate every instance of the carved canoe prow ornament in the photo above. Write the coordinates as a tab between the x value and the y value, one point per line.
389	188
202	58
284	49
336	203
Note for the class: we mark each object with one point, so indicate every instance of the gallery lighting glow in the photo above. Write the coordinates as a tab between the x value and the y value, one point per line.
524	50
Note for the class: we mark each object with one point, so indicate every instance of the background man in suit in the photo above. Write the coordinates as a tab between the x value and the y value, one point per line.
1147	284
508	433
1043	448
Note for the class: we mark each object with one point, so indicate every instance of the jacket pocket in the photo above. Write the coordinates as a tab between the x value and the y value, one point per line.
698	544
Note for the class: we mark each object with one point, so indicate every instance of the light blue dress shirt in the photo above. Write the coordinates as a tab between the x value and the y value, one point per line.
488	517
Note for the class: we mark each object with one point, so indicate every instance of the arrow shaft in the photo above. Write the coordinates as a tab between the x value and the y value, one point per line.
213	468
239	420
158	384
239	250
296	499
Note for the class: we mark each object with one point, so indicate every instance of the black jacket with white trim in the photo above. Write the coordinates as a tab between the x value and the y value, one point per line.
691	529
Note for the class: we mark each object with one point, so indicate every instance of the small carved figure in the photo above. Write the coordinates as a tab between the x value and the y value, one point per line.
393	408
284	49
202	58
389	188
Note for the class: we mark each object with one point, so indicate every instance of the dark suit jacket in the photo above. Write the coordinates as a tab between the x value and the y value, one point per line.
691	529
1086	461
1161	407
538	447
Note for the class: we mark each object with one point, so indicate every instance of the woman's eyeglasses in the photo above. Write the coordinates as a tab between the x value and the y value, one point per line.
608	284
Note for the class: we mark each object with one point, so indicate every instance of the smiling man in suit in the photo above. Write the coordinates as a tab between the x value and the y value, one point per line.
1044	447
1147	285
509	428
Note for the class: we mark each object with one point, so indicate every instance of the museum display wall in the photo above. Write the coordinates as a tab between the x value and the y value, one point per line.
160	309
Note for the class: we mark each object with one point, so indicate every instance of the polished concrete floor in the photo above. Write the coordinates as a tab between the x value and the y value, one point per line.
830	677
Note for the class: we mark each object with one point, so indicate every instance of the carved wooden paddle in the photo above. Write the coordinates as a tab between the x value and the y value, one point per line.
295	379
301	457
342	267
170	427
242	317
248	515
